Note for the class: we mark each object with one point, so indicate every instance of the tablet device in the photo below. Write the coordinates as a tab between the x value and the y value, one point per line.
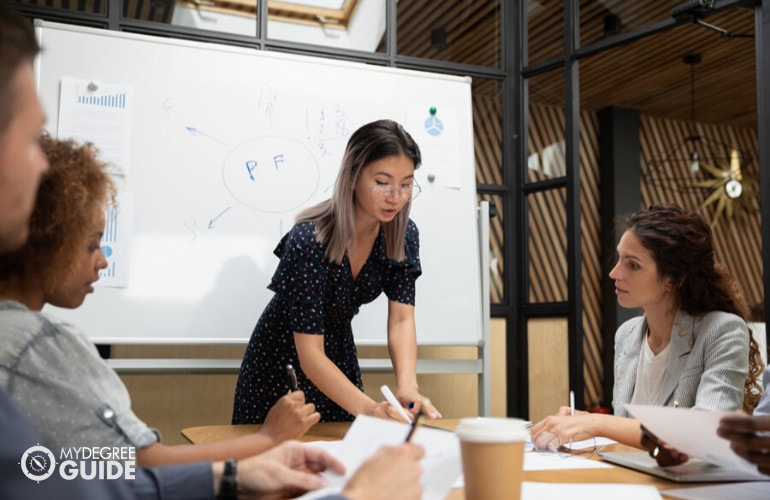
693	471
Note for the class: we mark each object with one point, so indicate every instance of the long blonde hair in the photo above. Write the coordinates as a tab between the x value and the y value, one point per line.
334	218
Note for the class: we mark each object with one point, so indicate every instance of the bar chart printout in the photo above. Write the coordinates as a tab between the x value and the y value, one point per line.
116	243
99	113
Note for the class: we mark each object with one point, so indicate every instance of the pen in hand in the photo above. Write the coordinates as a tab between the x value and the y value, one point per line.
291	373
417	420
385	390
572	403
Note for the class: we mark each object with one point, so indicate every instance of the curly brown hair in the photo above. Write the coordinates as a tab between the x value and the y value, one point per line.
682	246
76	189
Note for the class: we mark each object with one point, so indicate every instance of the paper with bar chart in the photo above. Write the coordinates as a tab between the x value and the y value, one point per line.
116	243
100	113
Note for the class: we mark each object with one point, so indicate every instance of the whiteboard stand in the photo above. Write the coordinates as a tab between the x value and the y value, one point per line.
485	383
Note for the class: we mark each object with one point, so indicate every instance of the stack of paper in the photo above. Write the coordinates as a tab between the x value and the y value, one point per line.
694	432
441	464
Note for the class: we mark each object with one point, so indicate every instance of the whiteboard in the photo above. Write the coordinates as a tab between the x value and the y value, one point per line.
201	247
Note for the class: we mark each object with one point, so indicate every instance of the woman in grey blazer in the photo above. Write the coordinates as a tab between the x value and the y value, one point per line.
690	348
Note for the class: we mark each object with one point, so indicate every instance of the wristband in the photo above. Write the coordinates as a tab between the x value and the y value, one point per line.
228	485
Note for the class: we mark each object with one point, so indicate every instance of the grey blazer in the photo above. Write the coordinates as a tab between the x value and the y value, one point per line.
763	408
707	367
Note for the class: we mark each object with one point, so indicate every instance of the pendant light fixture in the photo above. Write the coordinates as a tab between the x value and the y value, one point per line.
693	139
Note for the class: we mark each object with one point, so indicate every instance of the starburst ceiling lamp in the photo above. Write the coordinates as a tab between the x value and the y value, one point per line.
731	189
701	163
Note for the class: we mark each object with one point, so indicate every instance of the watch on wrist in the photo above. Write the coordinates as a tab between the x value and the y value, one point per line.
228	485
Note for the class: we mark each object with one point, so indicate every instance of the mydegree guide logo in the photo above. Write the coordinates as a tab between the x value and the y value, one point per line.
39	463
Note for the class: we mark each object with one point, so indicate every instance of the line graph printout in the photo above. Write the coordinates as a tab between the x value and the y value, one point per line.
99	113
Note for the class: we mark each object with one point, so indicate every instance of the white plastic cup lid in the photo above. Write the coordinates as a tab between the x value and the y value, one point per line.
492	429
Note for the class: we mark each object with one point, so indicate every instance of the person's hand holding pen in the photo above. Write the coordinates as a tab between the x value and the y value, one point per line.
413	401
407	412
391	472
290	417
566	423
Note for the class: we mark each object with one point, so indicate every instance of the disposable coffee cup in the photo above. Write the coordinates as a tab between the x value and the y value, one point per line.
492	452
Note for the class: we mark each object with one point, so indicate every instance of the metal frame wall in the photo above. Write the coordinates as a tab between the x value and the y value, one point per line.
569	61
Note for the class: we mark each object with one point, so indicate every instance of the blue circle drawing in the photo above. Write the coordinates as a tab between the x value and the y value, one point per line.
434	126
271	174
107	251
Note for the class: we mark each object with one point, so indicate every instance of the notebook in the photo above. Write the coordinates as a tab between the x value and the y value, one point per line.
692	471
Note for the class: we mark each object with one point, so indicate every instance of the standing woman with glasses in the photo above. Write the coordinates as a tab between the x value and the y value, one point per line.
341	254
690	348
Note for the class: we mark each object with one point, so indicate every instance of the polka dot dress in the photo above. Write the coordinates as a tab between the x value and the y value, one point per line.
316	297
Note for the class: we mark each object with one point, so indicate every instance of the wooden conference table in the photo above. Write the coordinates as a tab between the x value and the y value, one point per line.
334	431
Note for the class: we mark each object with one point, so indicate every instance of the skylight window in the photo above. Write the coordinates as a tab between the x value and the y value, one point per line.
324	4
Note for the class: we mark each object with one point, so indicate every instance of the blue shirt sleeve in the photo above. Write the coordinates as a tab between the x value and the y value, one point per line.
175	482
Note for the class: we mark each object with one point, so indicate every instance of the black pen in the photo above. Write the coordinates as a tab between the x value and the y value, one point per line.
416	421
292	374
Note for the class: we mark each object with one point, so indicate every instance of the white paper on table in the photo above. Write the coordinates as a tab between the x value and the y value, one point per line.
587	443
744	491
539	491
693	432
441	464
553	461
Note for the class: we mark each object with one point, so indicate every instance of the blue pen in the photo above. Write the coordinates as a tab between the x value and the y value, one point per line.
416	422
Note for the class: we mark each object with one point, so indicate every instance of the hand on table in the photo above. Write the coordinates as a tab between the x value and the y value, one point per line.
562	426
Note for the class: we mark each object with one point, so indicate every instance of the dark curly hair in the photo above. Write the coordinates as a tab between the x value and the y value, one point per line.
76	188
681	243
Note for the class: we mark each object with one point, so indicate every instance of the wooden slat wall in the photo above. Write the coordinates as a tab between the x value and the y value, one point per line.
737	240
547	249
591	272
547	245
487	143
471	30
